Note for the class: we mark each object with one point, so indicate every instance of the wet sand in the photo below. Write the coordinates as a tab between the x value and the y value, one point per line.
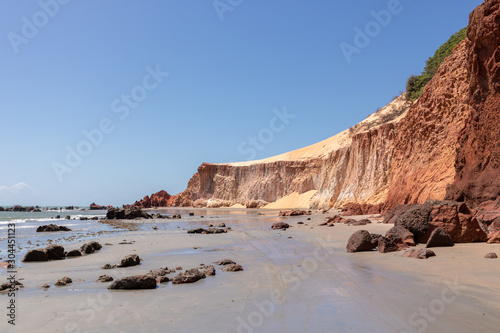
307	283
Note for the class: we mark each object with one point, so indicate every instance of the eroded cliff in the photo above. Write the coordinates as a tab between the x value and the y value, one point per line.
446	143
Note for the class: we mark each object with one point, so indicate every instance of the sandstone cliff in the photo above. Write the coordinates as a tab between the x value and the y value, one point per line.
446	144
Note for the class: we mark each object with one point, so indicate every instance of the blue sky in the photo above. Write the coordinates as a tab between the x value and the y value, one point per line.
88	67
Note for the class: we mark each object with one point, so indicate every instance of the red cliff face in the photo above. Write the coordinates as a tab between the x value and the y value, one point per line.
477	162
426	140
446	143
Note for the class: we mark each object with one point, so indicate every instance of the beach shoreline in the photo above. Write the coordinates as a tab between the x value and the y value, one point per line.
304	270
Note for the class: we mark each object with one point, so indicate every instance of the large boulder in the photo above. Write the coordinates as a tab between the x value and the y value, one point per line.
130	260
55	252
438	238
359	241
134	282
414	218
52	228
458	221
36	255
189	276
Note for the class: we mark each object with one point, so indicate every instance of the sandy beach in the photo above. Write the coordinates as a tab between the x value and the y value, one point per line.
298	280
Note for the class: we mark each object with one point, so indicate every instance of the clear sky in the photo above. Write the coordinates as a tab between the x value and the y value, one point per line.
101	66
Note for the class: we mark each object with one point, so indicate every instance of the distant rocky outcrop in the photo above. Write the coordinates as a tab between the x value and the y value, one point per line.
93	206
126	214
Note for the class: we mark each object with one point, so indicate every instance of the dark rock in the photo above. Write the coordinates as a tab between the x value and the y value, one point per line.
178	268
402	233
52	228
225	262
359	241
134	282
300	222
414	218
386	245
45	286
55	252
163	279
419	254
95	245
196	231
104	278
74	253
108	266
439	237
87	248
280	225
491	255
36	255
64	281
130	260
209	270
189	276
221	225
232	268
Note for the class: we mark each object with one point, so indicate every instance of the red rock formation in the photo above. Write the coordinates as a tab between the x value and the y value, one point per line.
427	138
159	199
478	160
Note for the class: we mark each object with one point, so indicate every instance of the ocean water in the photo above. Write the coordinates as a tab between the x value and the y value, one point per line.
26	223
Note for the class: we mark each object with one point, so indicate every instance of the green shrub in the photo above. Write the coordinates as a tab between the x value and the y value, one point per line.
415	84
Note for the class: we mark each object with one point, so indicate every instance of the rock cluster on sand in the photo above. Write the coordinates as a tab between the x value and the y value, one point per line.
396	239
455	218
90	247
52	228
229	265
51	252
56	252
134	282
189	276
